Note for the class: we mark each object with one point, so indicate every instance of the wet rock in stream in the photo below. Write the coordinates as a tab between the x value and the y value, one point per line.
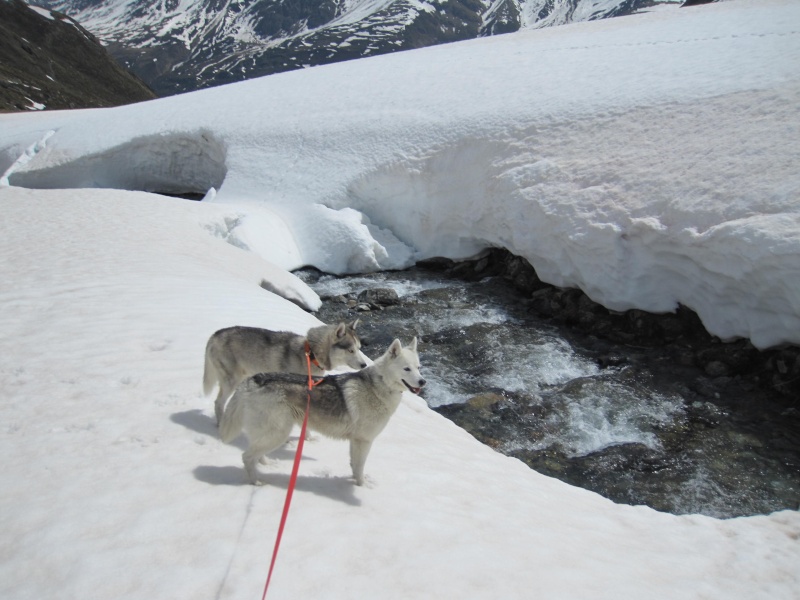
643	409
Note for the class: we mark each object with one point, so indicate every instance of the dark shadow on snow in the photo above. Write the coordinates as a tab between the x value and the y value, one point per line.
195	420
336	488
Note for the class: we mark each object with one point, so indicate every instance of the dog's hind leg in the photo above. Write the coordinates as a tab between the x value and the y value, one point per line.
219	403
359	449
250	457
263	440
232	422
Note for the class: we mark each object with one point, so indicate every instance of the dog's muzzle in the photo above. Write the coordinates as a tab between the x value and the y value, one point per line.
412	389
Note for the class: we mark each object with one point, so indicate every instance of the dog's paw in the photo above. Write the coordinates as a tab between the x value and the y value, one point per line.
366	482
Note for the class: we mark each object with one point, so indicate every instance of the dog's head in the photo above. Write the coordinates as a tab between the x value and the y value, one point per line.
402	364
346	347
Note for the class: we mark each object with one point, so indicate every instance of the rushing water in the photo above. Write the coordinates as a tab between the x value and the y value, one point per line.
615	419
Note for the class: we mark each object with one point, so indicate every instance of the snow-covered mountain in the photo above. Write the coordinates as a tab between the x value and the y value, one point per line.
182	45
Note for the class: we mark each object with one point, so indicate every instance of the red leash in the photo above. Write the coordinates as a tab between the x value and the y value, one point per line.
293	478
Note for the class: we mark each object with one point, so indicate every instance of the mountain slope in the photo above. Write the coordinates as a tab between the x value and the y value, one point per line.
183	45
47	60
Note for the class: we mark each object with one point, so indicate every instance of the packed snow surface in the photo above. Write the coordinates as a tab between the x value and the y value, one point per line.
650	160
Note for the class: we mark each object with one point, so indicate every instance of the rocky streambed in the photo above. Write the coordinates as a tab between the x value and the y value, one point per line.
643	409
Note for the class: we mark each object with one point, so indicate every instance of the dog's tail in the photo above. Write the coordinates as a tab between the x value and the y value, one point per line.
232	419
210	377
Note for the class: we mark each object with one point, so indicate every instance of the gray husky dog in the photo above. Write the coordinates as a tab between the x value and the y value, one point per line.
351	406
236	353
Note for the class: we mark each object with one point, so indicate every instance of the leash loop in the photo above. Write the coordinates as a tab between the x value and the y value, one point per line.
310	358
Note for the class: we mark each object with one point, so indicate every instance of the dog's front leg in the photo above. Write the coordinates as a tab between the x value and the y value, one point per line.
359	449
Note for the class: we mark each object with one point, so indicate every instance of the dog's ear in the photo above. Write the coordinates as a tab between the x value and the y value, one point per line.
355	324
341	330
395	348
413	345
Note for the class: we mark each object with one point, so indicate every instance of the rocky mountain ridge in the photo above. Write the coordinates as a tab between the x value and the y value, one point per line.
47	60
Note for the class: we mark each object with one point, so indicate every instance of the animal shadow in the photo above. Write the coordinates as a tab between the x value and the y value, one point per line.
336	488
197	421
341	489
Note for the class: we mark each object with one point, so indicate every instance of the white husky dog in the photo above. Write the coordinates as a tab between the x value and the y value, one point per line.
352	406
236	353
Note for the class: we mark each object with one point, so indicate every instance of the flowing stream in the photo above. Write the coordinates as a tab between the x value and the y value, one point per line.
619	420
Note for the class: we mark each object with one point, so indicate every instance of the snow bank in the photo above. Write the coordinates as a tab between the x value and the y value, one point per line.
649	160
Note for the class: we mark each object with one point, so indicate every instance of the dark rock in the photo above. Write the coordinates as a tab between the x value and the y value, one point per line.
481	265
436	264
465	271
671	327
379	297
704	414
684	356
716	368
484	400
611	360
696	2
